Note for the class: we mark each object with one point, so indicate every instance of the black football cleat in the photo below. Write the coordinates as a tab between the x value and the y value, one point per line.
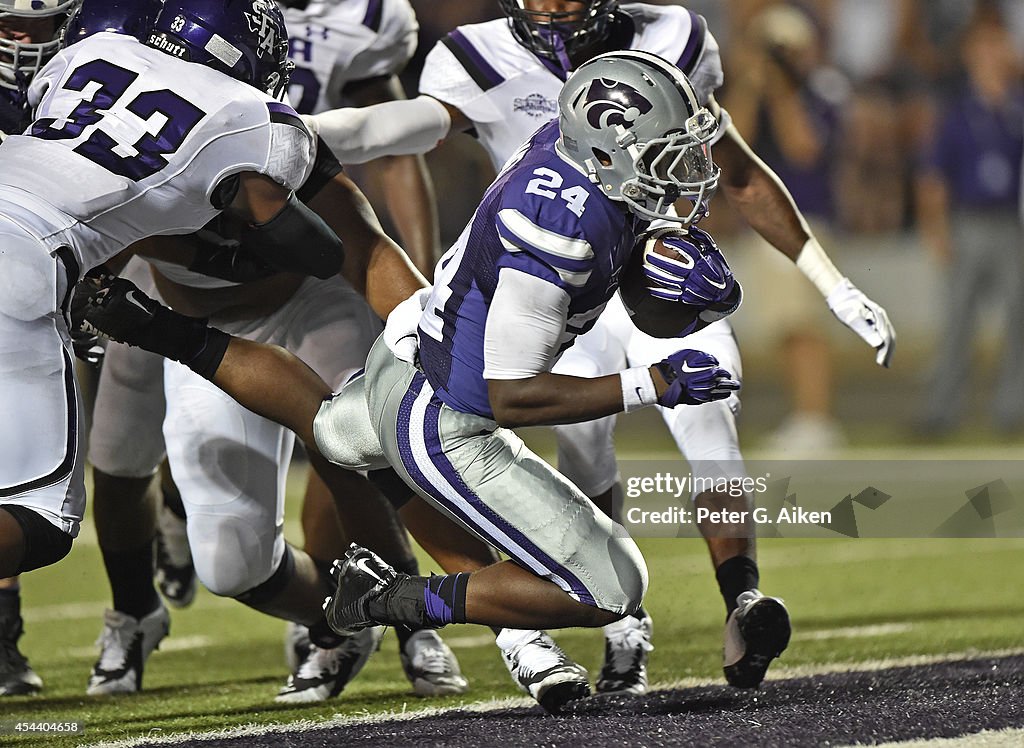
371	592
756	632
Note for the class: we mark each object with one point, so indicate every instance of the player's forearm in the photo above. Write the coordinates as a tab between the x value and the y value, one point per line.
393	128
374	265
391	277
552	399
274	383
411	203
759	196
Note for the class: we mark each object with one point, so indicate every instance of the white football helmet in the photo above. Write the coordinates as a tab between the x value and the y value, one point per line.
632	121
21	56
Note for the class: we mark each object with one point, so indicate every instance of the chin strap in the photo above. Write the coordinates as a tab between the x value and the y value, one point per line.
558	47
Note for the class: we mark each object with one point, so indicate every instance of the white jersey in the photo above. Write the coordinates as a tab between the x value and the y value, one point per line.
335	42
508	92
121	151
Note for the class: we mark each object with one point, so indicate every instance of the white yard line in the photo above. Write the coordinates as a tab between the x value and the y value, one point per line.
853	632
1011	738
779	673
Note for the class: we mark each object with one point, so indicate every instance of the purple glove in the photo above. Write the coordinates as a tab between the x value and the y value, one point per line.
694	378
699	275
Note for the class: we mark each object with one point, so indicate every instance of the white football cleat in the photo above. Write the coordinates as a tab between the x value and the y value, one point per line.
626	645
540	668
325	672
125	644
431	666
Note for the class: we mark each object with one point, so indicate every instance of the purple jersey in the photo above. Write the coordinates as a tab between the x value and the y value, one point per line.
544	217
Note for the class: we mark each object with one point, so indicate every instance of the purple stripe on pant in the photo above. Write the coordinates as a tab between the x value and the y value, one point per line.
454	480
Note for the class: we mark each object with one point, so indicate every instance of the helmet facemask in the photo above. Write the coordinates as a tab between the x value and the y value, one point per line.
672	167
20	61
633	122
559	36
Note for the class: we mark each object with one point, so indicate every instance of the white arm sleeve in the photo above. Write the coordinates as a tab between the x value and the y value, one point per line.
394	128
291	156
525	326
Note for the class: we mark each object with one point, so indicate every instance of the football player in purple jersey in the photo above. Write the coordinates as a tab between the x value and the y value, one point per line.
461	364
500	79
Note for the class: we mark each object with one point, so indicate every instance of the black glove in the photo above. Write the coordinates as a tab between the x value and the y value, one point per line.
86	341
115	308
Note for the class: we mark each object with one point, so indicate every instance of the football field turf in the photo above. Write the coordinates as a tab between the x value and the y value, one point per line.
860	605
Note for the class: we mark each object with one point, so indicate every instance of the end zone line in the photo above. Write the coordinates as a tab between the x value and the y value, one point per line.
489	705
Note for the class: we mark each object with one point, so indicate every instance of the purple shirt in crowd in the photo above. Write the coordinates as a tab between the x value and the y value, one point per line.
978	151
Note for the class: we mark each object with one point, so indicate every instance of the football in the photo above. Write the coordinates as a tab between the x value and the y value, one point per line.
656	317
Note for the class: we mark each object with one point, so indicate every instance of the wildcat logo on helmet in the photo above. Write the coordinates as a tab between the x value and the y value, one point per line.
261	24
610	103
613	102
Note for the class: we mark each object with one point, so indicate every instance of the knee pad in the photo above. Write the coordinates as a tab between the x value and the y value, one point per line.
268	590
586	454
45	543
631	572
229	555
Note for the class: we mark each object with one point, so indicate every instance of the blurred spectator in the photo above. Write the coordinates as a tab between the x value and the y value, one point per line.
866	35
968	192
871	161
787	101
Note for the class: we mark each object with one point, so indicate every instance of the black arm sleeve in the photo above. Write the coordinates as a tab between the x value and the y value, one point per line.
297	240
325	168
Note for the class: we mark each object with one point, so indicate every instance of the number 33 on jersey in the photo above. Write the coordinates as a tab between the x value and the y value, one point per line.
146	141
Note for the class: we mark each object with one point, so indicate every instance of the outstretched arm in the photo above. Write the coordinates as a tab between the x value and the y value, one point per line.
393	128
404	181
374	265
266	379
274	383
764	202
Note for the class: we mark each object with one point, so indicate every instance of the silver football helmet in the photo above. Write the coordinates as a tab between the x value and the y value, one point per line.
632	121
29	38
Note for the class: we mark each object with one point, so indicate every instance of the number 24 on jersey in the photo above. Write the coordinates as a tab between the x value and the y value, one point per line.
548	180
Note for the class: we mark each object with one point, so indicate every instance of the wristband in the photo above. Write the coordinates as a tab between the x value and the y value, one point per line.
819	269
637	389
